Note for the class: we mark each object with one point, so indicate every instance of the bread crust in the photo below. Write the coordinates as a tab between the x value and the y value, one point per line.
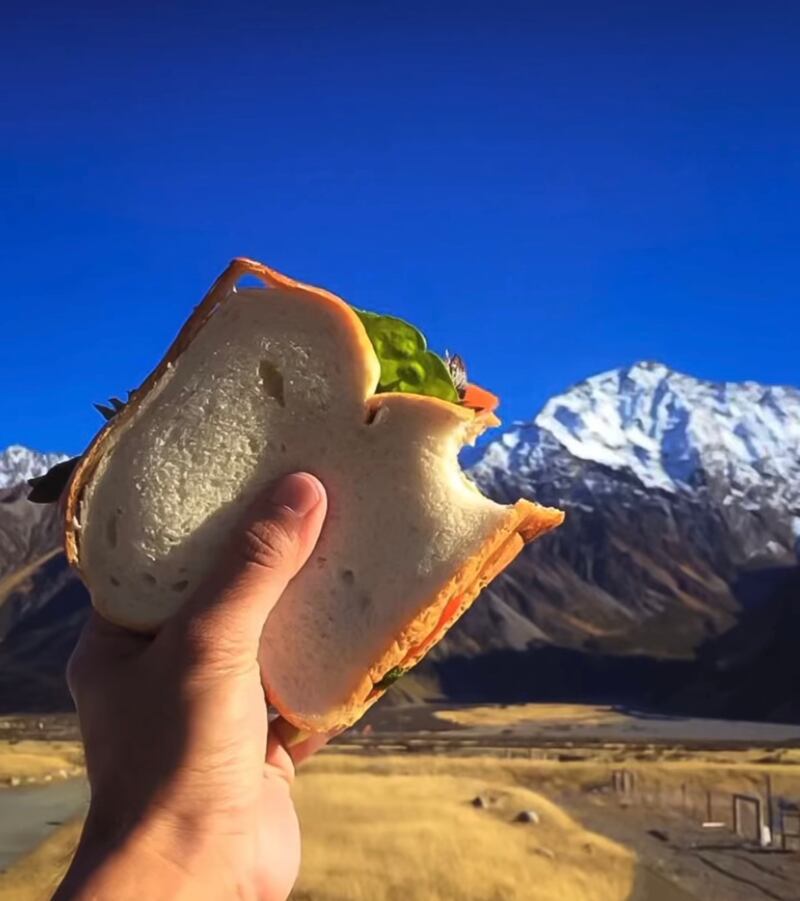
525	522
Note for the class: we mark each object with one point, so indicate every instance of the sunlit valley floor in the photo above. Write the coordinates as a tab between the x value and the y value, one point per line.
530	802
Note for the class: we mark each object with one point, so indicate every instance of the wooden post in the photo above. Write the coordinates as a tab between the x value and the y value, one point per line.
756	805
768	819
787	817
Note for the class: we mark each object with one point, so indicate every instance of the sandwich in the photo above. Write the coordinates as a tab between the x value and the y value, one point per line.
261	382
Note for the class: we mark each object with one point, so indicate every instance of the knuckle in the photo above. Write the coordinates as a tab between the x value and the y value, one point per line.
269	544
201	638
206	656
208	644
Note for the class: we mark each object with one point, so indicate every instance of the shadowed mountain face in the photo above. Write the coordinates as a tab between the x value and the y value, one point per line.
42	602
672	583
27	531
35	648
748	673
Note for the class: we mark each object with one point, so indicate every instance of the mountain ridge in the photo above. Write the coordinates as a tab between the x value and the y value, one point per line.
663	425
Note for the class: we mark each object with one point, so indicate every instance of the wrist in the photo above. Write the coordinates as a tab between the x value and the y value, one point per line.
114	862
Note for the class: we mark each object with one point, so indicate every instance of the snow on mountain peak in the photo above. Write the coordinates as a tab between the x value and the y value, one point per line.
666	427
18	463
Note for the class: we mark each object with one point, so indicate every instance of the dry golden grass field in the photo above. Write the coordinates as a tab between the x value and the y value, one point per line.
381	825
385	828
39	761
496	716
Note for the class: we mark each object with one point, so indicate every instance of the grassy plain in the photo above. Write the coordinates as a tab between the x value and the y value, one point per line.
403	827
380	828
497	716
385	825
39	761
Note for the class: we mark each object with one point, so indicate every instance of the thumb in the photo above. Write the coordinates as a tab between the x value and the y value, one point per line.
276	537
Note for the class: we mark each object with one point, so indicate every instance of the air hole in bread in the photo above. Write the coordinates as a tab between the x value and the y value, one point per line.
271	381
348	576
180	586
249	281
254	445
115	582
111	531
149	578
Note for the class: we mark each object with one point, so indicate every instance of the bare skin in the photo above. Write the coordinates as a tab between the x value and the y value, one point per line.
190	784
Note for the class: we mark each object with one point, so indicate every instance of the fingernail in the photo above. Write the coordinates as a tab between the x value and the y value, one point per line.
298	492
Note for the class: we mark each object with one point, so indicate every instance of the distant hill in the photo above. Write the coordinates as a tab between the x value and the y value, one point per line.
672	583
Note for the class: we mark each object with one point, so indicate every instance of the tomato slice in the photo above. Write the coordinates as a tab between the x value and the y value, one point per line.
477	398
448	614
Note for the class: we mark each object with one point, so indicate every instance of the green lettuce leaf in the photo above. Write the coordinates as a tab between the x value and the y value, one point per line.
395	673
406	363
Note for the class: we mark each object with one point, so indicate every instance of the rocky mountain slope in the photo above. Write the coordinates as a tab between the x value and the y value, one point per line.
673	487
27	531
683	503
42	602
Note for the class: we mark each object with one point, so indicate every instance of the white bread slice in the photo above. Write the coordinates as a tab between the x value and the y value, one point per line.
263	382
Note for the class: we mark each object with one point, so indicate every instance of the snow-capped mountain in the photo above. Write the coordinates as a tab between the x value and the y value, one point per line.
674	579
736	443
668	428
673	487
18	463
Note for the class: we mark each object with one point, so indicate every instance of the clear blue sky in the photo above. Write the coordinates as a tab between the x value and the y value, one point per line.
552	189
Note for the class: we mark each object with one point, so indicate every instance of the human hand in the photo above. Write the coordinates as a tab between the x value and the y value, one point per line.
189	783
